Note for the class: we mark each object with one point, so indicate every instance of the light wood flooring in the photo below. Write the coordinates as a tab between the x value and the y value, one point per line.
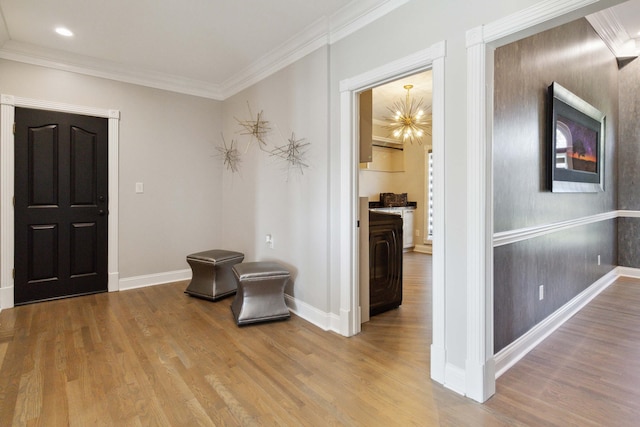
155	356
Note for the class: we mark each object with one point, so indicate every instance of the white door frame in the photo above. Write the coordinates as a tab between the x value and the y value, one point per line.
433	58
481	43
8	103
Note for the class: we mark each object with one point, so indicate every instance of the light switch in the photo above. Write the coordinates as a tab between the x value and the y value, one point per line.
139	187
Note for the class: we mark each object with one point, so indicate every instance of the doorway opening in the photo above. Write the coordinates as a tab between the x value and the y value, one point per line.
393	179
350	310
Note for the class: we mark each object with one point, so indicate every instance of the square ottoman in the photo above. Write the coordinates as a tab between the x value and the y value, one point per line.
260	296
212	277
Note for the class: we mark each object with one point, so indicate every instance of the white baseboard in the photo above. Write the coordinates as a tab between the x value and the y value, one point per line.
510	355
319	318
113	282
629	272
438	363
6	297
455	379
153	279
423	249
323	320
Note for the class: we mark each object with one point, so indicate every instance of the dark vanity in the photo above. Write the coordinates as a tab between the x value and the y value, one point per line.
385	262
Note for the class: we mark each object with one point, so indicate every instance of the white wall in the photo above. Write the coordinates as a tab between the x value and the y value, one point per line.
410	28
412	180
372	182
167	142
265	196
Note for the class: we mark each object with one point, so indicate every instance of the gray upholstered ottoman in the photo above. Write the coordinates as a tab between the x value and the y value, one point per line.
212	277
260	295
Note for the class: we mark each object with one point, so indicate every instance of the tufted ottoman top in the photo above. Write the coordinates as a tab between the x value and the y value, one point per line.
215	256
259	270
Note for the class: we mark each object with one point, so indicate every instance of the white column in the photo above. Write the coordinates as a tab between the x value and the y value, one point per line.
479	367
7	113
438	347
112	268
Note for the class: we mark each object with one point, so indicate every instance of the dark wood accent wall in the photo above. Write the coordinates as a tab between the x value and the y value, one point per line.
564	262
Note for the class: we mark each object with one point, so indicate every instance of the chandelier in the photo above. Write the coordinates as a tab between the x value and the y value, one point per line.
409	121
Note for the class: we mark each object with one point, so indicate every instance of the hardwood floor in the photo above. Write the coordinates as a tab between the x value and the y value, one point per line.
587	373
155	356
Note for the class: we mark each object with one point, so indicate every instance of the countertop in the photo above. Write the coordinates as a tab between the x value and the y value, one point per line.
378	205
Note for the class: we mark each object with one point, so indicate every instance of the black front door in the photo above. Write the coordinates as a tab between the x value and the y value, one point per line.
61	180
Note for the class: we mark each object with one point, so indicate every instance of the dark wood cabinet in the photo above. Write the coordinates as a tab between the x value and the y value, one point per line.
385	262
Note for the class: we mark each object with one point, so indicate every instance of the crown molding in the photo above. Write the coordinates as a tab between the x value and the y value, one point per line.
356	15
613	33
344	22
543	15
326	30
300	45
35	55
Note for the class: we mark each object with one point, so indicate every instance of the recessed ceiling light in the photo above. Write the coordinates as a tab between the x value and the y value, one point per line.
64	31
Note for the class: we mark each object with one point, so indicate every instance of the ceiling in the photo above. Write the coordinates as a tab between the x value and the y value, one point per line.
210	48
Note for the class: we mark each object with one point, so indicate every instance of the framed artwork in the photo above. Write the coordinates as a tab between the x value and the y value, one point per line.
576	143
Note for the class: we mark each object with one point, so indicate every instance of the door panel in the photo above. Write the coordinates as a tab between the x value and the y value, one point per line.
83	167
43	246
42	145
83	249
61	205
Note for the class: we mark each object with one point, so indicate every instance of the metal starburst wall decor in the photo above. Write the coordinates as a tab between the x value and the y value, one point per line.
258	128
293	152
230	155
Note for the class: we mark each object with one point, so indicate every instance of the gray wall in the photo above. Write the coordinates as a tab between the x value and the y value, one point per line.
564	262
167	142
629	159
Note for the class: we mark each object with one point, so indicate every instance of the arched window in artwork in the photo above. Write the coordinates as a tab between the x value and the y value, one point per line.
564	146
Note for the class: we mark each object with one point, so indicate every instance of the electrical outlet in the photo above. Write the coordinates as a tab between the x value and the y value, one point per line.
269	241
598	259
417	232
541	292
